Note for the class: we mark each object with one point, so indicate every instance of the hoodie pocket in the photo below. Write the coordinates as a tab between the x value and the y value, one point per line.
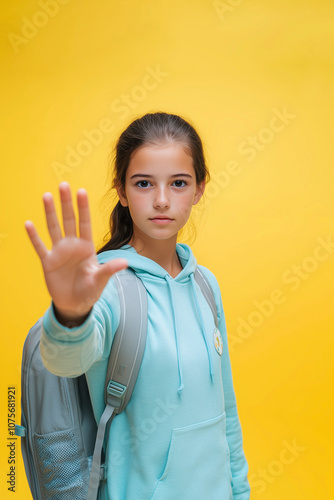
198	463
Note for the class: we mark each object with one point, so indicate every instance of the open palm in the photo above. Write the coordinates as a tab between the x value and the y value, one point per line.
73	275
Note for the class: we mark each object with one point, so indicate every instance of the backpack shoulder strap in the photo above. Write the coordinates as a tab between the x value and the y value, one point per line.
207	291
124	362
129	342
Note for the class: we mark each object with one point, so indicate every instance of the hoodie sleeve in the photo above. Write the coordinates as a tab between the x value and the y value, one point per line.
238	462
69	352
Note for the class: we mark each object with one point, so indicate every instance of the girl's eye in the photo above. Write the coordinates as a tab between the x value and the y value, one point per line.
184	183
142	182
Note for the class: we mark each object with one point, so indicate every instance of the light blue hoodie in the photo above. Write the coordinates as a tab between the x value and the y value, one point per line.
179	437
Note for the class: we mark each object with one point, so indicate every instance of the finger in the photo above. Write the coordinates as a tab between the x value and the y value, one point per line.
85	229
35	239
111	267
67	209
51	218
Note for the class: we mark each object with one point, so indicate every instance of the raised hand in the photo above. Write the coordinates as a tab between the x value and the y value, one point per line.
73	275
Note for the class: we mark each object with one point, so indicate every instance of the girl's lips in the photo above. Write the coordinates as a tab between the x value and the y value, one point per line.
161	221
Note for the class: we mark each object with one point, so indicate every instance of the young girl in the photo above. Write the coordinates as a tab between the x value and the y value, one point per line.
180	437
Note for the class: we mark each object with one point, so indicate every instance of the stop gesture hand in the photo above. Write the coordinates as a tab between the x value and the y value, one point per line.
73	275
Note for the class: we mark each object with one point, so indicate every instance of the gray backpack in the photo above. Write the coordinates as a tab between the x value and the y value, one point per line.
62	446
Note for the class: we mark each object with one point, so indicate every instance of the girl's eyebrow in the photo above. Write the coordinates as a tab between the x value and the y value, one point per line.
146	175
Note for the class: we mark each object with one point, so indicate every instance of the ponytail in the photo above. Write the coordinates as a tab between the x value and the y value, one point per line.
122	228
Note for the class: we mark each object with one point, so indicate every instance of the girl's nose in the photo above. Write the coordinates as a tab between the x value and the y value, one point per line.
161	199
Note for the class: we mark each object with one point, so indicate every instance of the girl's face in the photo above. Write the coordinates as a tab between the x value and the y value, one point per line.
160	190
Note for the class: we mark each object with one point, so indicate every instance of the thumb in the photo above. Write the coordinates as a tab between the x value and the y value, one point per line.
111	267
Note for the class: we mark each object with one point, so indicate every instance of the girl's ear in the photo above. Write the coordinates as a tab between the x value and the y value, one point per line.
121	196
199	192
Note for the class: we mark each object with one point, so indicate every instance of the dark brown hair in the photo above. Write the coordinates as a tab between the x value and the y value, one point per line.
151	129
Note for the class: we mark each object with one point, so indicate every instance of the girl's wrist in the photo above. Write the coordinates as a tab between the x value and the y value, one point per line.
69	319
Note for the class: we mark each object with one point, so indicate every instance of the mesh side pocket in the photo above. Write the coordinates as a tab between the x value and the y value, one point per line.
59	466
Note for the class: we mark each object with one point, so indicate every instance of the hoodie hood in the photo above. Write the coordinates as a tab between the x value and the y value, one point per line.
148	270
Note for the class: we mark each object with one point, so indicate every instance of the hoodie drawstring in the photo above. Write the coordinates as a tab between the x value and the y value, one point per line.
181	386
170	286
202	325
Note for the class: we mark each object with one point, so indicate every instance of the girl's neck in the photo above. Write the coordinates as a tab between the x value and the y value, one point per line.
163	252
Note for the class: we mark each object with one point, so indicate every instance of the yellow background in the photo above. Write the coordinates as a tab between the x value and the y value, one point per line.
229	69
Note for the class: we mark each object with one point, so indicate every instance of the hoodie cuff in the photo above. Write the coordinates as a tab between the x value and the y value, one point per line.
60	333
241	488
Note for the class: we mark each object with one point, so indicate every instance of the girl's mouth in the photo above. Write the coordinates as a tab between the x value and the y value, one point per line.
160	220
